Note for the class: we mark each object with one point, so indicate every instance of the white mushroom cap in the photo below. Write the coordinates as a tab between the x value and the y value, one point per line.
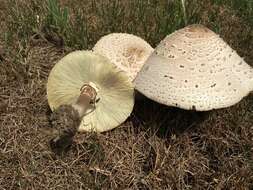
127	51
193	68
114	90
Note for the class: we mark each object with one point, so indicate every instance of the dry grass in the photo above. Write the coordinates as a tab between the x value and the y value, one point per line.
157	148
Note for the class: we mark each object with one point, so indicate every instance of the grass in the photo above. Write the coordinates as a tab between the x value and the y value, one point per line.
158	147
243	8
114	16
81	26
60	29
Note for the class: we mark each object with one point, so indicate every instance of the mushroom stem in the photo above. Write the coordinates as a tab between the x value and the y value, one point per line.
85	100
73	113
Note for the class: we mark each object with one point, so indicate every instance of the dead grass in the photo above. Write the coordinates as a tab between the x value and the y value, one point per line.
157	148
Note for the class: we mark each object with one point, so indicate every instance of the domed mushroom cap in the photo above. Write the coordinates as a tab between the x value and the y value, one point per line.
115	93
127	51
193	68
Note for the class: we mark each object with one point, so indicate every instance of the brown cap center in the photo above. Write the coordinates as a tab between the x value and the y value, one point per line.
198	31
134	55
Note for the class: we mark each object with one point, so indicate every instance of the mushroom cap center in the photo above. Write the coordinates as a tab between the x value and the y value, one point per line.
198	31
133	54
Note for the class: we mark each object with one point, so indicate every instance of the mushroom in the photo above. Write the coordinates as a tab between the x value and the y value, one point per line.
193	68
96	89
128	52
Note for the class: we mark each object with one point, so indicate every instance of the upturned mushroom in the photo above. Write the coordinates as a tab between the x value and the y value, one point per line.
128	52
99	92
193	68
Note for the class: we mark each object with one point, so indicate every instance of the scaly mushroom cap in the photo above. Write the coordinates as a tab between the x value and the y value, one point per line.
127	51
115	93
193	68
